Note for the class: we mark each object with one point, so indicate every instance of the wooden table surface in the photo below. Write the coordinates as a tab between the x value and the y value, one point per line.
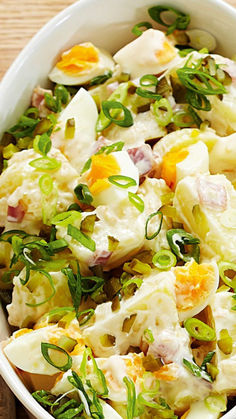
19	21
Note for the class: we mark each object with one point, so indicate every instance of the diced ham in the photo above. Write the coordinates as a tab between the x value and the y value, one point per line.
100	257
142	158
15	214
212	195
38	100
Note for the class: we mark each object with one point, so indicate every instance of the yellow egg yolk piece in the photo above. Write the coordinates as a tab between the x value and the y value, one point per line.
79	58
166	54
193	284
165	374
168	170
134	367
102	167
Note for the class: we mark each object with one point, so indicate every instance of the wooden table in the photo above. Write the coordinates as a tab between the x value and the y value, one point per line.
19	21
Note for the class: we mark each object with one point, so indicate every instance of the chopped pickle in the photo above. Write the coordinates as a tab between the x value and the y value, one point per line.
225	343
128	323
107	340
152	364
136	266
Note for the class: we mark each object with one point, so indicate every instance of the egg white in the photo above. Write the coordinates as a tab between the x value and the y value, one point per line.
139	56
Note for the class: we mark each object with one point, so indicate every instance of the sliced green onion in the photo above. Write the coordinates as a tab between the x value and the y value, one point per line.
199	330
225	343
46	184
45	348
107	149
82	238
136	266
100	79
148	94
50	280
177	239
83	194
148	336
164	260
216	403
136	201
129	181
163	117
64	218
184	52
62	93
119	95
227	266
186	118
67	343
148	80
196	370
86	166
85	316
86	283
45	164
32	112
70	128
187	74
207	359
136	31
56	314
131	397
42	144
74	207
97	371
58	245
135	281
152	236
108	105
75	287
181	22
198	101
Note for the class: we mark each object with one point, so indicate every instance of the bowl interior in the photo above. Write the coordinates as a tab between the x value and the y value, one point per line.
106	23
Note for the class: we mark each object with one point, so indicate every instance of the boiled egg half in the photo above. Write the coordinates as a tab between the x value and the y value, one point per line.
111	177
194	286
80	64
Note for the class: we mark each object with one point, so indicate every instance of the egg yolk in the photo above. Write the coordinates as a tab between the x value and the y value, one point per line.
102	167
166	54
193	284
79	58
134	367
168	170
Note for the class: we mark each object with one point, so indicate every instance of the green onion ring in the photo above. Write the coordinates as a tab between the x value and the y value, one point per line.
44	349
164	260
159	227
136	31
147	94
46	184
163	119
108	105
136	201
199	330
45	164
153	80
129	181
226	266
83	194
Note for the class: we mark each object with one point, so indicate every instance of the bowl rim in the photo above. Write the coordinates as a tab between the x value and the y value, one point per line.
7	371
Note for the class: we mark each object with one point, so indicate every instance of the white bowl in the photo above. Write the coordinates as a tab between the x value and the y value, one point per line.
108	24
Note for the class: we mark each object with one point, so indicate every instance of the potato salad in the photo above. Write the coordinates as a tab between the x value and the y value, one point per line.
117	229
